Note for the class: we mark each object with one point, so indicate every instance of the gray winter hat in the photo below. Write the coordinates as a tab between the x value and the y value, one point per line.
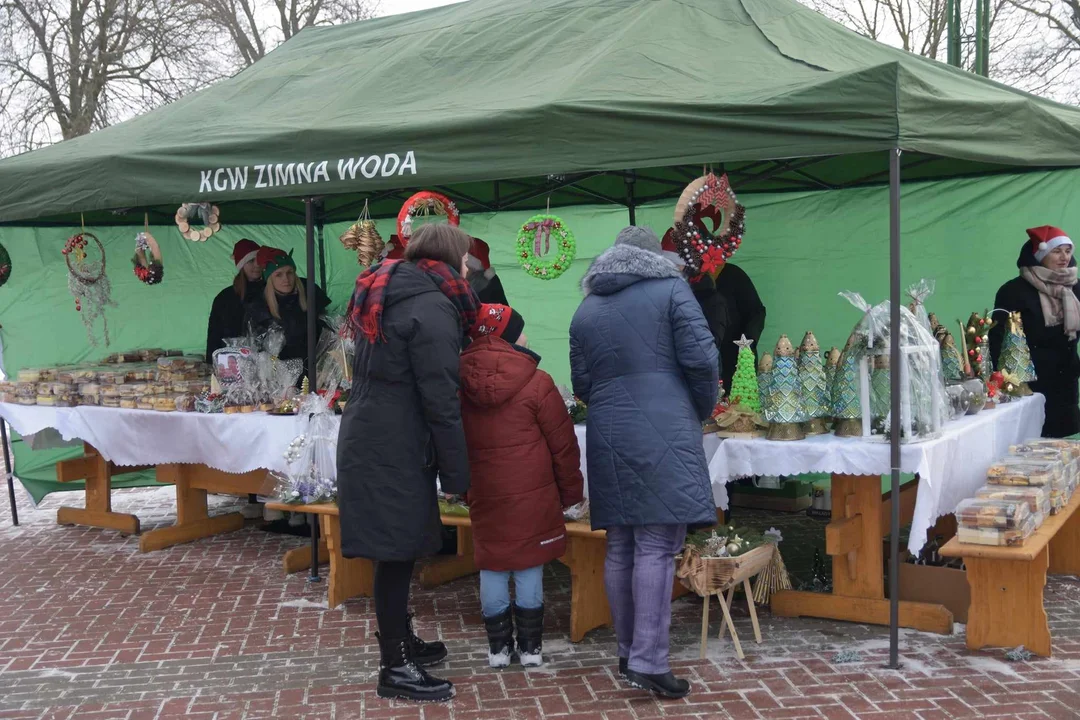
639	237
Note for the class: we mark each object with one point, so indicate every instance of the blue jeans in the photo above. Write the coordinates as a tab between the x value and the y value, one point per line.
639	575
495	590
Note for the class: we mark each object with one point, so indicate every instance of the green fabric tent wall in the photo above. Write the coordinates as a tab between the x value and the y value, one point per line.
801	250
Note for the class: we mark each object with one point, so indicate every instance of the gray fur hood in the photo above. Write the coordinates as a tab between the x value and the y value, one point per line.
620	266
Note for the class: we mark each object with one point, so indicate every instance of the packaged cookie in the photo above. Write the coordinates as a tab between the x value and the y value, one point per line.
1015	471
997	536
26	399
43	388
28	376
65	374
89	388
184	402
992	513
112	377
110	390
67	400
132	390
1037	497
90	400
61	388
151	354
46	400
144	404
129	403
164	403
85	374
110	401
26	389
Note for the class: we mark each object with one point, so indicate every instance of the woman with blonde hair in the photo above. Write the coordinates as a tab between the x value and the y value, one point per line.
284	302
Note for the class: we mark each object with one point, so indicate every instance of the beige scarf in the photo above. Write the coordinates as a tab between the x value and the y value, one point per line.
1059	303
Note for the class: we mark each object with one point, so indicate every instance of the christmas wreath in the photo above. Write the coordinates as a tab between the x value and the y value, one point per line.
147	260
705	250
534	247
5	265
209	214
422	204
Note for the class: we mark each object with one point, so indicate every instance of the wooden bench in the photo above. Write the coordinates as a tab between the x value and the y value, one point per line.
586	550
97	472
1007	583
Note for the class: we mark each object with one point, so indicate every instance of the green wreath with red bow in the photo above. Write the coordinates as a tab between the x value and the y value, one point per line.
5	265
545	247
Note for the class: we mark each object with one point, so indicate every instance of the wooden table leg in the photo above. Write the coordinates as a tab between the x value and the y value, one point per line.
97	473
853	539
349	577
753	610
1007	604
1065	548
730	597
589	608
731	626
443	570
299	559
192	519
705	625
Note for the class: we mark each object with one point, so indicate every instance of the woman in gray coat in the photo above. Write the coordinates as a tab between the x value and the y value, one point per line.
644	361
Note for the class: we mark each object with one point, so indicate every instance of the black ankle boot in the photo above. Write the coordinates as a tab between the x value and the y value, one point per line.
500	632
623	666
665	685
402	679
530	635
424	653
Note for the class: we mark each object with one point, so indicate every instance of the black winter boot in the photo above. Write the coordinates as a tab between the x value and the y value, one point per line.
424	653
402	679
530	635
500	632
666	685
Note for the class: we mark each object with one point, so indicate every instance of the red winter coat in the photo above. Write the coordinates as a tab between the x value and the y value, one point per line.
524	461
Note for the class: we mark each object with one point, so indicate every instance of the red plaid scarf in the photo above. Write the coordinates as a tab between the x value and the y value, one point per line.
366	306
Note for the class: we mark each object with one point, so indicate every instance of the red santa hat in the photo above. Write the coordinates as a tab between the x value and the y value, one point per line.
479	259
1046	238
244	252
394	249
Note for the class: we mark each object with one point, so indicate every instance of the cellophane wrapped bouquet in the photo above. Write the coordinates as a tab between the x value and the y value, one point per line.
335	355
311	457
277	378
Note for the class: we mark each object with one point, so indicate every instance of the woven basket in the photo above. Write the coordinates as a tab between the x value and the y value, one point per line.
708	576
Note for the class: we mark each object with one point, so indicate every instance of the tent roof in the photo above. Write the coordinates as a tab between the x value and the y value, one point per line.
546	94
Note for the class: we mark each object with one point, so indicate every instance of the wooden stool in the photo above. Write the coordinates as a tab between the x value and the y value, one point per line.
739	571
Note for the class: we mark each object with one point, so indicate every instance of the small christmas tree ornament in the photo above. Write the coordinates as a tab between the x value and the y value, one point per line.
846	408
764	378
812	387
952	362
1015	360
977	344
744	384
785	414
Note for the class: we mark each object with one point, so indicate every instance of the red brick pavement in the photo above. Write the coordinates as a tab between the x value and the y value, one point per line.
92	629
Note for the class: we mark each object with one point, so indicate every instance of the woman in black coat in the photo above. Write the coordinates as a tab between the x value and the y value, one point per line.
402	428
230	305
1048	299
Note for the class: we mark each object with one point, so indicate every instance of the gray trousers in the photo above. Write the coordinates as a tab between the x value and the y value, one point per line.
638	574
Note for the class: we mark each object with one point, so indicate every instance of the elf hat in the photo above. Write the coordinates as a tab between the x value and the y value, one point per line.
498	320
244	252
1046	238
273	259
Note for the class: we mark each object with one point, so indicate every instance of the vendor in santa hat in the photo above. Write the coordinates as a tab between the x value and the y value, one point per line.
482	276
227	312
1047	298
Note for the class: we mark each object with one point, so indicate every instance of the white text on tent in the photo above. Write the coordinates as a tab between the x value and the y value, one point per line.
286	174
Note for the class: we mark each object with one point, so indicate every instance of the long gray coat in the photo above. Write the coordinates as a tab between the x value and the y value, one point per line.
645	363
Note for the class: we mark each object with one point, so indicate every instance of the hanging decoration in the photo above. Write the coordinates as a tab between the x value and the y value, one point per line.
363	237
147	260
545	247
210	215
5	265
88	283
423	204
709	198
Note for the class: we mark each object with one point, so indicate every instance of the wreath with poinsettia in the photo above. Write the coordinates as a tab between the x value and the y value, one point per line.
147	260
5	265
534	247
709	200
424	203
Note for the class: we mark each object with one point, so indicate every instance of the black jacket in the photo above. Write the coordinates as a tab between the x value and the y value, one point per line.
715	307
1053	354
488	289
745	316
402	426
227	315
293	321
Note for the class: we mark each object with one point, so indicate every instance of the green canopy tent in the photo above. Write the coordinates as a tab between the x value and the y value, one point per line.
515	105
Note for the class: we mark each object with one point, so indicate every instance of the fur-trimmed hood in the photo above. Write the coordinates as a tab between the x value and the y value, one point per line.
620	266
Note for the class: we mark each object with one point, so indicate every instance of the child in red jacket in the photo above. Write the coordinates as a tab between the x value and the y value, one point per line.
525	469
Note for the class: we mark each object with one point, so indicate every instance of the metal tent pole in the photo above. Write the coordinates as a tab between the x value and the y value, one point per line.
631	178
10	473
894	403
312	332
320	216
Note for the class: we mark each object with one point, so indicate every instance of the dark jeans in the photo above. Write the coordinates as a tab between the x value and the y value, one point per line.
392	598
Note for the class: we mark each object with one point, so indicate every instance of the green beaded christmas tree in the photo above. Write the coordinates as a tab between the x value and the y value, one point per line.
784	410
1015	360
812	388
744	384
846	406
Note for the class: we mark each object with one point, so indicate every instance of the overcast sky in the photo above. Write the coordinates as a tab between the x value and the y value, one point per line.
393	7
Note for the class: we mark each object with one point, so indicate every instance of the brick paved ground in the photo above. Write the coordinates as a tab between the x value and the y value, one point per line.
91	629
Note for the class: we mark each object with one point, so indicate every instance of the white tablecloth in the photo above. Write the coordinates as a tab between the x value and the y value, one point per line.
951	467
235	443
710	442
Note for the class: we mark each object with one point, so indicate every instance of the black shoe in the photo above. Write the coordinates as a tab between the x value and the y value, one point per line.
500	632
530	635
623	666
666	685
402	679
424	653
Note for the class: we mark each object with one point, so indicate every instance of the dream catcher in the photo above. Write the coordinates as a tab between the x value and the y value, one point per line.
87	281
147	260
709	224
423	204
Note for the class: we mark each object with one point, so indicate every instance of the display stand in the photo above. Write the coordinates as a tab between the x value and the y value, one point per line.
853	539
97	473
